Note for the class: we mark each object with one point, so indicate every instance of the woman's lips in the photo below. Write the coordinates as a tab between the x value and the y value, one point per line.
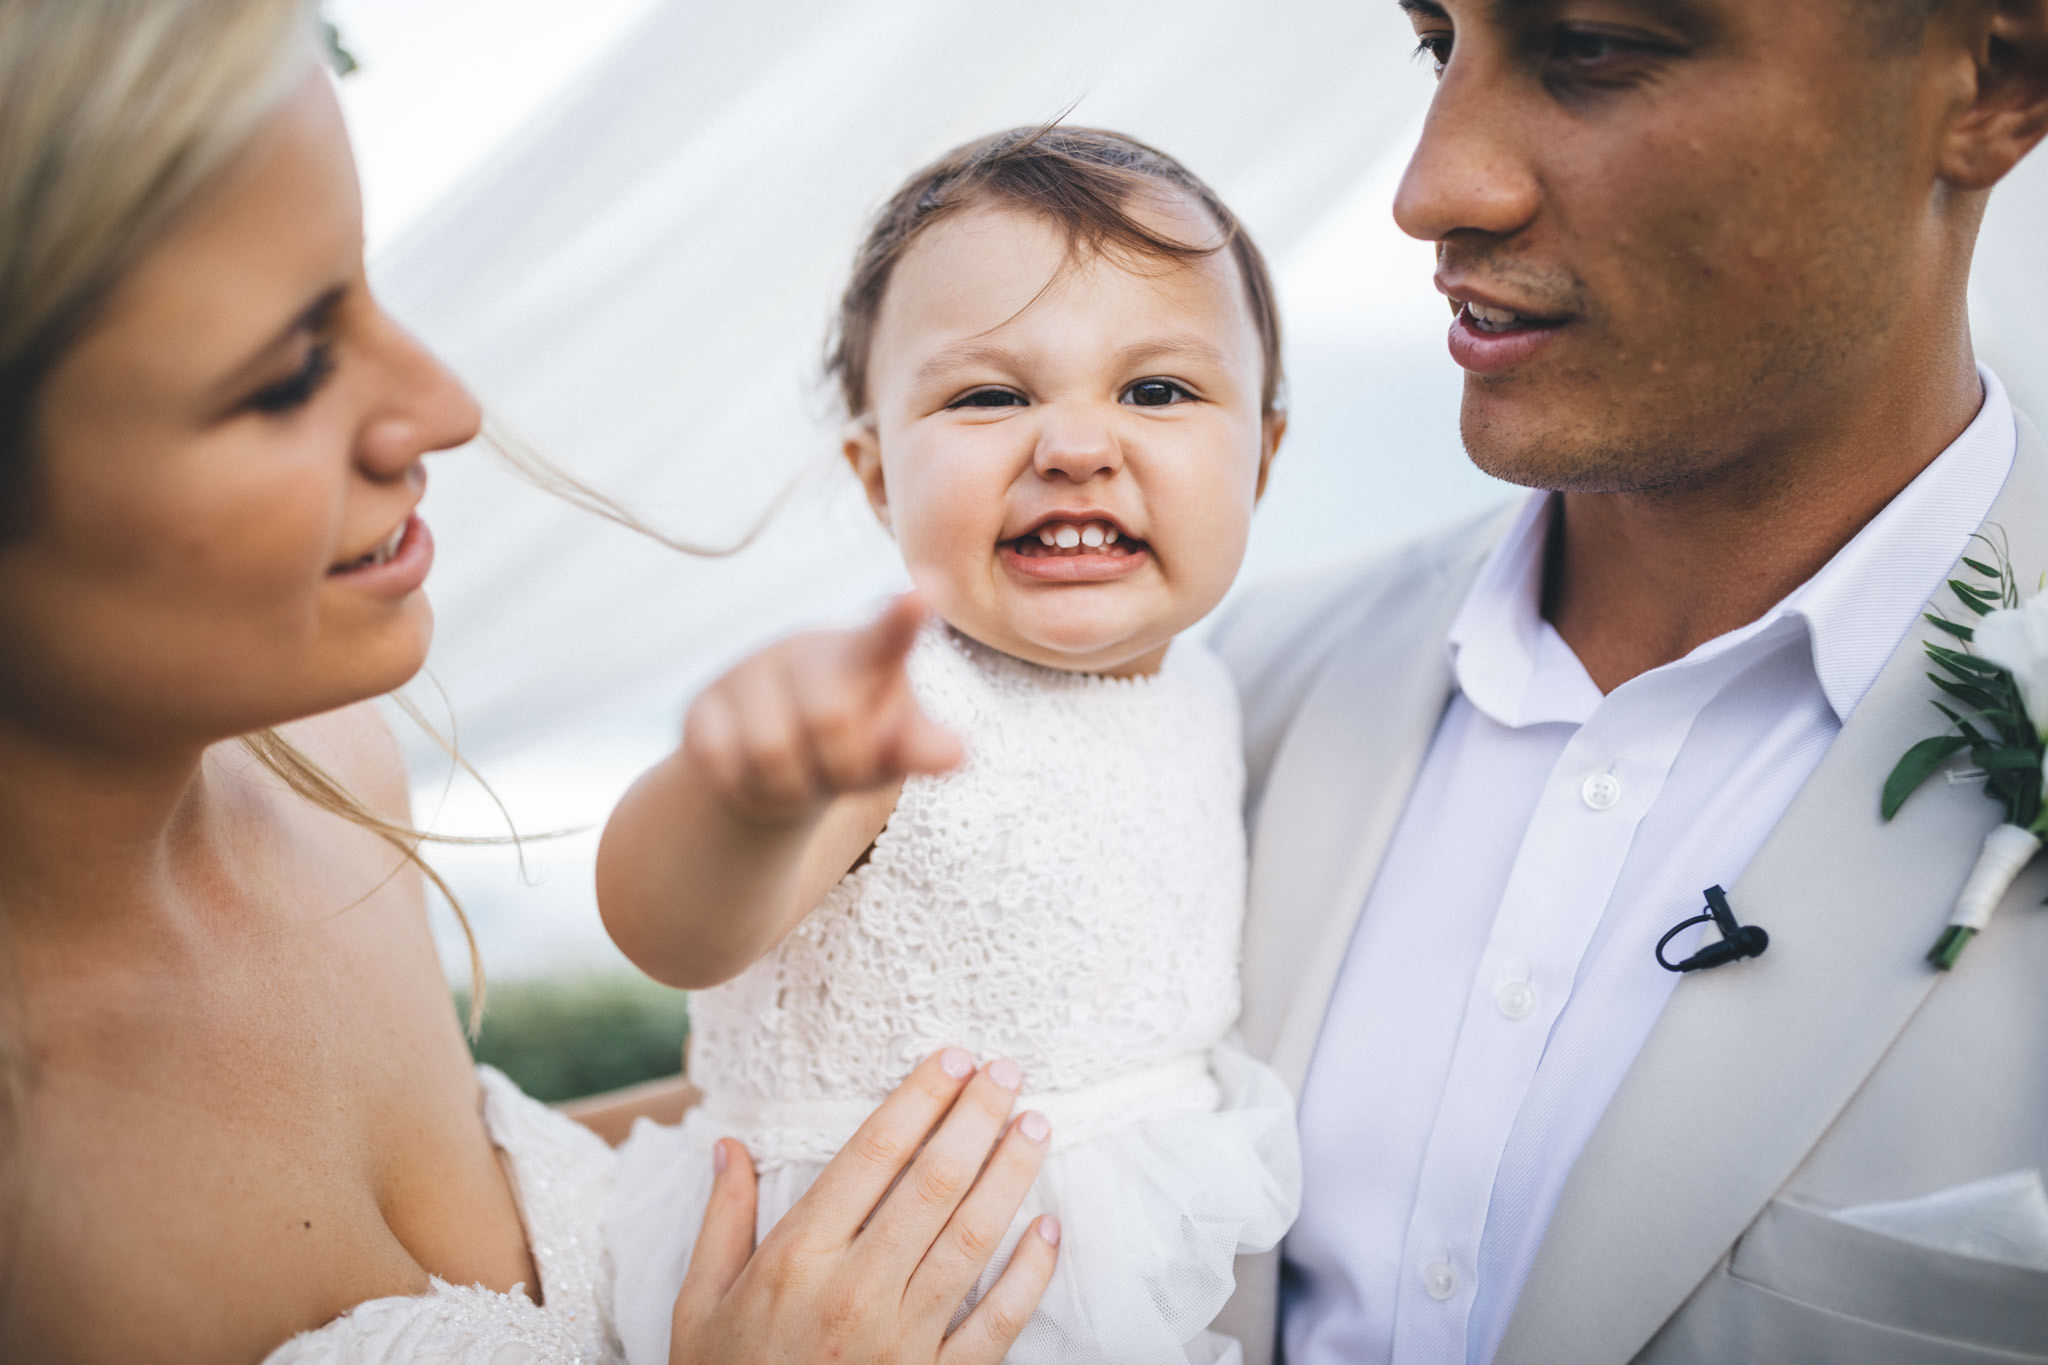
1091	565
1482	351
398	575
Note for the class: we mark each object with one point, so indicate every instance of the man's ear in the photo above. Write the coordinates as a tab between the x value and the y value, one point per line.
863	450
1275	432
2008	40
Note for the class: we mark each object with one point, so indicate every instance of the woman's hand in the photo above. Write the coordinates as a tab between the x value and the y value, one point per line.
815	717
869	1268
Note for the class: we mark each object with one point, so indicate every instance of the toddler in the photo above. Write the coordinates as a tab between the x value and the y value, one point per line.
1016	828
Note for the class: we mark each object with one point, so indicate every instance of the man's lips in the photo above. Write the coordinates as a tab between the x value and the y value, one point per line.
1487	341
1490	334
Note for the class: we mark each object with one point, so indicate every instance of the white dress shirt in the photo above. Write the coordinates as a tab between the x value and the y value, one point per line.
1502	976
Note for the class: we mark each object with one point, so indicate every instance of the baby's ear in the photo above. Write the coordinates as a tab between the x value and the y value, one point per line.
863	450
1274	431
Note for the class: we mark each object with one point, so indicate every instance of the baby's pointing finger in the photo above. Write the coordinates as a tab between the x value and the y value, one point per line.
883	645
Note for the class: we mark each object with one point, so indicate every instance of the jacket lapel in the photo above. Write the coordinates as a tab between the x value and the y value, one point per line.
1748	1066
1333	798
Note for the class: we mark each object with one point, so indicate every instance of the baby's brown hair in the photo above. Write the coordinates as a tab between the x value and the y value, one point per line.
1083	180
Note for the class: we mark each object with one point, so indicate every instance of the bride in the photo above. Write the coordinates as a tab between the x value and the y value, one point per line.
237	1118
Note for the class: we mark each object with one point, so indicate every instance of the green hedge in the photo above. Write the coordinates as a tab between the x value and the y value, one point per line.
561	1038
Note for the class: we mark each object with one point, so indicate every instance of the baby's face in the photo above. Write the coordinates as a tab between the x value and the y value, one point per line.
1069	471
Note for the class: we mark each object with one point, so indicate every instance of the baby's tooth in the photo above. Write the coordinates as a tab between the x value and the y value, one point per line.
1110	537
1045	535
1067	538
1091	536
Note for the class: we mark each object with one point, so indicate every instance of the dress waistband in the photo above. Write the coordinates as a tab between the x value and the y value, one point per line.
778	1131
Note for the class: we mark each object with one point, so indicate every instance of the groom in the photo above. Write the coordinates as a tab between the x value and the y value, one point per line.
1708	263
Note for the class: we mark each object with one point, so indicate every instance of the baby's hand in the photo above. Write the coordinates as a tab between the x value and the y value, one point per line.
816	717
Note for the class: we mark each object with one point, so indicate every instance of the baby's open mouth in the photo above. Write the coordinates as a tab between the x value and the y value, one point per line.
1073	539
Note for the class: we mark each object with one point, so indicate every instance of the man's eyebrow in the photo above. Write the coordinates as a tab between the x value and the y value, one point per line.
1424	9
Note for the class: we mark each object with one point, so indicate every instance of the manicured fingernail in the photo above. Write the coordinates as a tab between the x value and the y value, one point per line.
956	1063
718	1158
1049	1229
1034	1126
1006	1074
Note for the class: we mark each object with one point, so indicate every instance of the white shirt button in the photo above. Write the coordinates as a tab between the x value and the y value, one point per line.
1517	999
1602	791
1440	1280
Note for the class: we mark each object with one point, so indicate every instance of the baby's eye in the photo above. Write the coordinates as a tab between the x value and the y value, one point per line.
988	398
1156	393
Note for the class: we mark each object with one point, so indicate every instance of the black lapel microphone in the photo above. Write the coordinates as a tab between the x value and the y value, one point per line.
1737	940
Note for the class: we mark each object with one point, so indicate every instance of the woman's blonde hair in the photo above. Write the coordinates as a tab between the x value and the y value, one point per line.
115	115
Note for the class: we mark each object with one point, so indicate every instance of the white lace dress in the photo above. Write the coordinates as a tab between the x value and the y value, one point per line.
561	1176
1072	898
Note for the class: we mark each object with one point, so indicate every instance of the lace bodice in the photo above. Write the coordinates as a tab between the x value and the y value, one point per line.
562	1175
1071	898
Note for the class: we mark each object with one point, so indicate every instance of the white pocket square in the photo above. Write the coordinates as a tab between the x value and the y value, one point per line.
2003	1219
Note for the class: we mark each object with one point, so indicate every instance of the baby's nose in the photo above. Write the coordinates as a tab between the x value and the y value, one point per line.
1076	449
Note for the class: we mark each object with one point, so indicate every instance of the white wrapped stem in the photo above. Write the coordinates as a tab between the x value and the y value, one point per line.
2007	851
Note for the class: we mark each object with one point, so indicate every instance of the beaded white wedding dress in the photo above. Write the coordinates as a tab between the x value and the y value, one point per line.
561	1176
1071	898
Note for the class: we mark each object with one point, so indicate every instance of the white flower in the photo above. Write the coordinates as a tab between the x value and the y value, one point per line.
2016	640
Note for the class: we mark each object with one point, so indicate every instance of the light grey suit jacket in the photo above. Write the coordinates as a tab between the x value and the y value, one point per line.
1837	1069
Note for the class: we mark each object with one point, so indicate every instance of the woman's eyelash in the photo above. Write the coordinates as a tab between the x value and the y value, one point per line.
297	389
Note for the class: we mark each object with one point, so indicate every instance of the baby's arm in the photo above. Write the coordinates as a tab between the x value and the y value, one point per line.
789	768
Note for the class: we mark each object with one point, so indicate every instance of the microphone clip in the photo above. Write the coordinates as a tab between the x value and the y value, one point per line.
1737	940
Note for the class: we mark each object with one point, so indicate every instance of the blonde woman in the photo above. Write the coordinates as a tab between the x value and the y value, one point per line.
239	1121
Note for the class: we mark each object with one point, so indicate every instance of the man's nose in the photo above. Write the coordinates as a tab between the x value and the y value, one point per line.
1469	173
1076	447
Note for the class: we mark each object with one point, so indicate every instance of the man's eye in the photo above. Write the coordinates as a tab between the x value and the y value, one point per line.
1591	51
297	389
1437	48
1156	393
988	398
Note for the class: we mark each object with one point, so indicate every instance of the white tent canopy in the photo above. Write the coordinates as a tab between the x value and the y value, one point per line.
639	282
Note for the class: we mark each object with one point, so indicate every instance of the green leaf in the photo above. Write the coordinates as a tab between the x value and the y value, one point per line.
1964	663
1968	596
1976	698
1916	767
1963	633
2004	759
1981	567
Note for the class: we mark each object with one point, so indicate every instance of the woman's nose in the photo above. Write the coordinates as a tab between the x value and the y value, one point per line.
424	407
1076	448
1469	173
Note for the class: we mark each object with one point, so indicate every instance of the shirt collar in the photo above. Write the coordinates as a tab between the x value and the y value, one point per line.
1517	670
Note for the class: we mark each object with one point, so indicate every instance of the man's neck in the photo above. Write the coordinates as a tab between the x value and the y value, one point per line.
1633	581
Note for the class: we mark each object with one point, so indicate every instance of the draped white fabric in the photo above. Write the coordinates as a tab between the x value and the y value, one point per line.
639	281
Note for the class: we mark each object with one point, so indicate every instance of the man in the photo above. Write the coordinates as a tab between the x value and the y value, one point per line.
1708	262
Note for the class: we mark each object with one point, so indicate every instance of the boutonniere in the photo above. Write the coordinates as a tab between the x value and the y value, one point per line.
1998	681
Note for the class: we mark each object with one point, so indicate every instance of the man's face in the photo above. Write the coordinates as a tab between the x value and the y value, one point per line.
1678	235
